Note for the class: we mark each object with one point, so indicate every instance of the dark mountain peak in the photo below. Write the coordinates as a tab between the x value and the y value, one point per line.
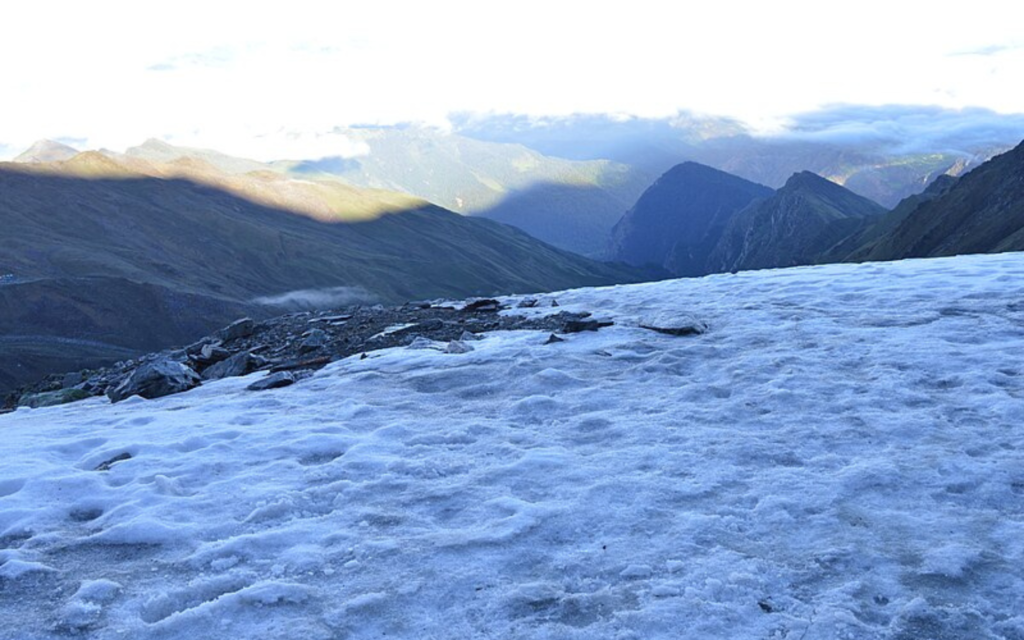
797	225
695	171
46	151
692	168
808	180
679	218
827	196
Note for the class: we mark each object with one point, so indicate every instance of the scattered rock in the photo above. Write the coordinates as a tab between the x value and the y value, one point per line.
52	398
527	303
345	332
178	355
457	346
106	464
160	377
433	324
72	379
483	305
577	326
315	339
336	320
419	342
273	381
311	363
765	604
211	353
196	348
552	339
237	365
242	328
688	328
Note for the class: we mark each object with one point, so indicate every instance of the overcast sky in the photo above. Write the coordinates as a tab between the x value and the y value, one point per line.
273	79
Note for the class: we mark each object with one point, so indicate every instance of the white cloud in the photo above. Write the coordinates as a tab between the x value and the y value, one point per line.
329	298
234	74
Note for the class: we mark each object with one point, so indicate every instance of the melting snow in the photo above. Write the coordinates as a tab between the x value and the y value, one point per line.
839	456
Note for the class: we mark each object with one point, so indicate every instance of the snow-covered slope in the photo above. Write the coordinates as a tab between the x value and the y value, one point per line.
840	456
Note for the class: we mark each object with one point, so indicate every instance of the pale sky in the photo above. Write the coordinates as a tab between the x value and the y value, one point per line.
273	79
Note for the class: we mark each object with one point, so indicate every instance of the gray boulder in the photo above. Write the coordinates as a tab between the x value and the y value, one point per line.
273	381
242	328
52	398
683	325
315	339
458	346
214	353
72	379
237	365
155	379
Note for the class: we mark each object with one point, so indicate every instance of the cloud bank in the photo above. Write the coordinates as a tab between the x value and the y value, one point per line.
314	299
211	75
904	129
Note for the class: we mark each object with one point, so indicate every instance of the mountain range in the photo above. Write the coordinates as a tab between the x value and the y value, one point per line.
696	220
567	181
570	204
882	153
107	254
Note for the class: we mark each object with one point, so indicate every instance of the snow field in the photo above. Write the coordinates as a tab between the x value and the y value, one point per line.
840	456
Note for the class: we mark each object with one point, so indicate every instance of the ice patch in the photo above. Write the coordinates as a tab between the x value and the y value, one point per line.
14	569
142	531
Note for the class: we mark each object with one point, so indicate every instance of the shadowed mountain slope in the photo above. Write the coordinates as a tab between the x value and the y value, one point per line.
796	225
982	213
570	204
858	246
578	218
679	220
146	263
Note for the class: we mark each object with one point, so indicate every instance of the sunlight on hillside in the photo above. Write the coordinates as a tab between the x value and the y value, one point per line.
323	200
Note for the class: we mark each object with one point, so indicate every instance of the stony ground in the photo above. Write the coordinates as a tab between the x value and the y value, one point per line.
302	342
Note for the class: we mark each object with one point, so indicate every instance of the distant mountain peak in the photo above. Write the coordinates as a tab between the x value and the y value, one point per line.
156	143
690	168
679	219
47	151
797	225
153	146
808	179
